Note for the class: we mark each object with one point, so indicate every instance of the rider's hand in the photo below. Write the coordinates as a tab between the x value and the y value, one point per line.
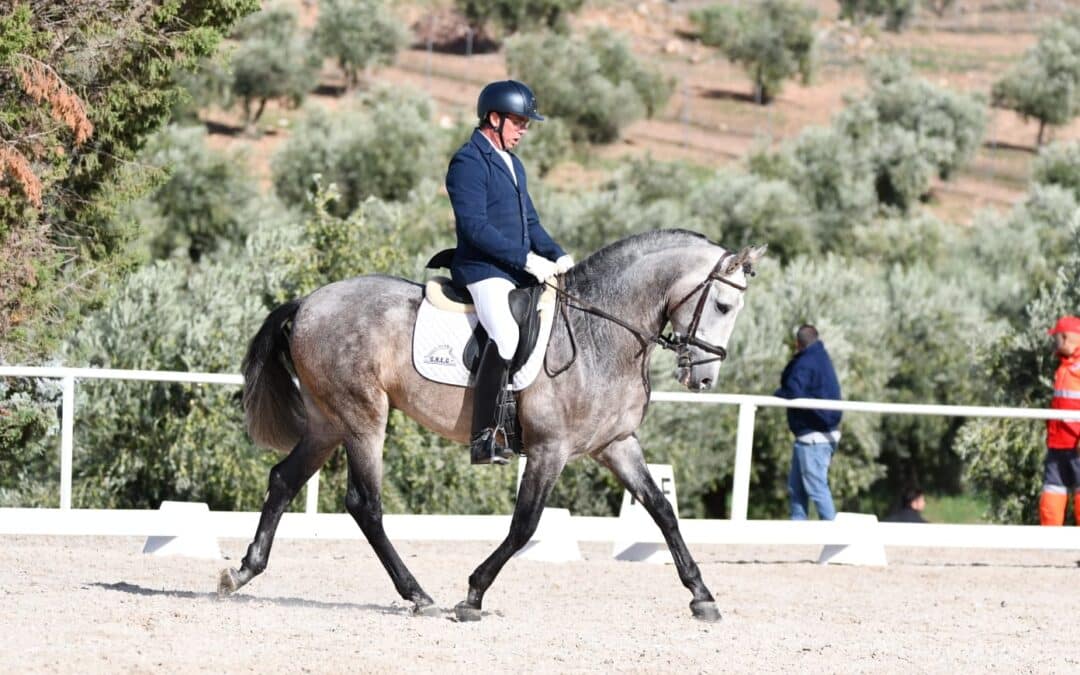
540	267
564	263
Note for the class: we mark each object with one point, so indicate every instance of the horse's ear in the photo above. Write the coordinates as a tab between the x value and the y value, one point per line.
747	257
754	253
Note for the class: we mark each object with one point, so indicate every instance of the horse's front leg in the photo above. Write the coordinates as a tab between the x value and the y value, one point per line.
626	460
541	472
286	479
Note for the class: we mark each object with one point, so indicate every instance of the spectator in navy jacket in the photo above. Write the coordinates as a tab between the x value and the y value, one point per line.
500	244
810	374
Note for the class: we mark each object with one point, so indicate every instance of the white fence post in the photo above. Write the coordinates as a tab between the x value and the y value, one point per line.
744	445
67	440
312	497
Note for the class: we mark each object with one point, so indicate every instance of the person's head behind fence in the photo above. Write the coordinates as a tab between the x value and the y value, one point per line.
805	336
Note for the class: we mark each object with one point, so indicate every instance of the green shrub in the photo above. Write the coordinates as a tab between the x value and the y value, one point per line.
833	177
742	209
919	239
1059	164
546	144
641	195
937	328
200	205
909	129
595	85
1011	257
29	442
380	149
772	39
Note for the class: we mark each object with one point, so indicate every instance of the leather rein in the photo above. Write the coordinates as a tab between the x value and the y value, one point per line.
676	342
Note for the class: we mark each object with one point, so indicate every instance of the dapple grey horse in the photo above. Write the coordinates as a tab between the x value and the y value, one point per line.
348	348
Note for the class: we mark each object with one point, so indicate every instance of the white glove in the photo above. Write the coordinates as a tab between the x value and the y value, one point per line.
564	263
540	267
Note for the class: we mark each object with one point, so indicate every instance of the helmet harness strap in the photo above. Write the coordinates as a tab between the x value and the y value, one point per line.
499	130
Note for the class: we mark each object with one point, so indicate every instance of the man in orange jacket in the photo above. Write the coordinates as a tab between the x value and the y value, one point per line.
1062	465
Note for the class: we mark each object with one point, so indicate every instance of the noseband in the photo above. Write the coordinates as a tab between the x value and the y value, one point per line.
676	342
681	343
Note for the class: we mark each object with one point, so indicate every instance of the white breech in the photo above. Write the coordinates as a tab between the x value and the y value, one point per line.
491	297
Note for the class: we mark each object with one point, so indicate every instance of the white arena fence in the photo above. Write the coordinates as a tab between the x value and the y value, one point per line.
737	530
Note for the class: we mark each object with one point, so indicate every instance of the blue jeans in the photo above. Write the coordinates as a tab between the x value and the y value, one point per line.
809	479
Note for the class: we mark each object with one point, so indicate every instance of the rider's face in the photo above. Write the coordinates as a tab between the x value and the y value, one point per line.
514	128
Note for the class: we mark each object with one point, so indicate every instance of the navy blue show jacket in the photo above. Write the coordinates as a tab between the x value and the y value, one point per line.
810	374
495	220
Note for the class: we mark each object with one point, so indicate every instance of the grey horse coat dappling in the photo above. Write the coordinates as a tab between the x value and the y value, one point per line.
348	347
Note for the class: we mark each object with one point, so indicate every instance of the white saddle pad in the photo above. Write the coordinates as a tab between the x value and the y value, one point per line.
440	336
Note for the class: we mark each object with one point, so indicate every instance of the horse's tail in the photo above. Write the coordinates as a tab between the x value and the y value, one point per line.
273	409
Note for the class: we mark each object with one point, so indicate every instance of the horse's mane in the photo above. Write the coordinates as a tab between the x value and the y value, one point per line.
605	263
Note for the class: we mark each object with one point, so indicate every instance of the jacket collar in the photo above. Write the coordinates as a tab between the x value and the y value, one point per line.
481	141
815	346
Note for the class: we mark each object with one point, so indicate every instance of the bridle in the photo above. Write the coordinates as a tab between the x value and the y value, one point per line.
675	342
681	344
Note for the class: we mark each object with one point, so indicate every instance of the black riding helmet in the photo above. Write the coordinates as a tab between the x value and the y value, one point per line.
507	97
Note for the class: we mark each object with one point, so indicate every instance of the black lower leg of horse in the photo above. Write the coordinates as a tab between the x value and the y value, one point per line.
540	476
627	461
286	479
364	504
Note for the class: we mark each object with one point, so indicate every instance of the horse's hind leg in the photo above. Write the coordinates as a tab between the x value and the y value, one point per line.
541	473
364	503
286	479
627	462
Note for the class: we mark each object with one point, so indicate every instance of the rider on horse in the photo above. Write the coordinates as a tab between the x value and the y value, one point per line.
500	243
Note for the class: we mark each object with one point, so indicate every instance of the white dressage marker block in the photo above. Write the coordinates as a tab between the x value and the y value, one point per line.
553	540
869	552
190	518
639	539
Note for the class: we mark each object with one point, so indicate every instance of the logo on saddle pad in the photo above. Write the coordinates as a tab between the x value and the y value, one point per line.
441	356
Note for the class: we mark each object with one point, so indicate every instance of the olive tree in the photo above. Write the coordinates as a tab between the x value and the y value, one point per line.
357	34
518	15
773	40
272	61
897	13
1045	85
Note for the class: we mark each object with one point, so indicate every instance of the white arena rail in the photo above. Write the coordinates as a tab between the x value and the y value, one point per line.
311	524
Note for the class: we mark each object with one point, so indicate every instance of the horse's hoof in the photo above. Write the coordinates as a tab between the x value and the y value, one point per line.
705	610
466	612
228	582
426	610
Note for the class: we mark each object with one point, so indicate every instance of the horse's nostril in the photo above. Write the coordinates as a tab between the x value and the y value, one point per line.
706	383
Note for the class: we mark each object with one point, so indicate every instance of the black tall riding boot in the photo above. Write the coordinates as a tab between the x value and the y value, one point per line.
487	423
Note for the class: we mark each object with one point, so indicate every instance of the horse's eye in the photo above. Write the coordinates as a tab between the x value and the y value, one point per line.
723	307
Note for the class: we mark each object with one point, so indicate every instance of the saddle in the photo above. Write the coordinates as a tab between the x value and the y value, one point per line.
524	306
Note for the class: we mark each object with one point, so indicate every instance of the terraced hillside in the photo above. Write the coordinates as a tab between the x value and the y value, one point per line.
712	119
